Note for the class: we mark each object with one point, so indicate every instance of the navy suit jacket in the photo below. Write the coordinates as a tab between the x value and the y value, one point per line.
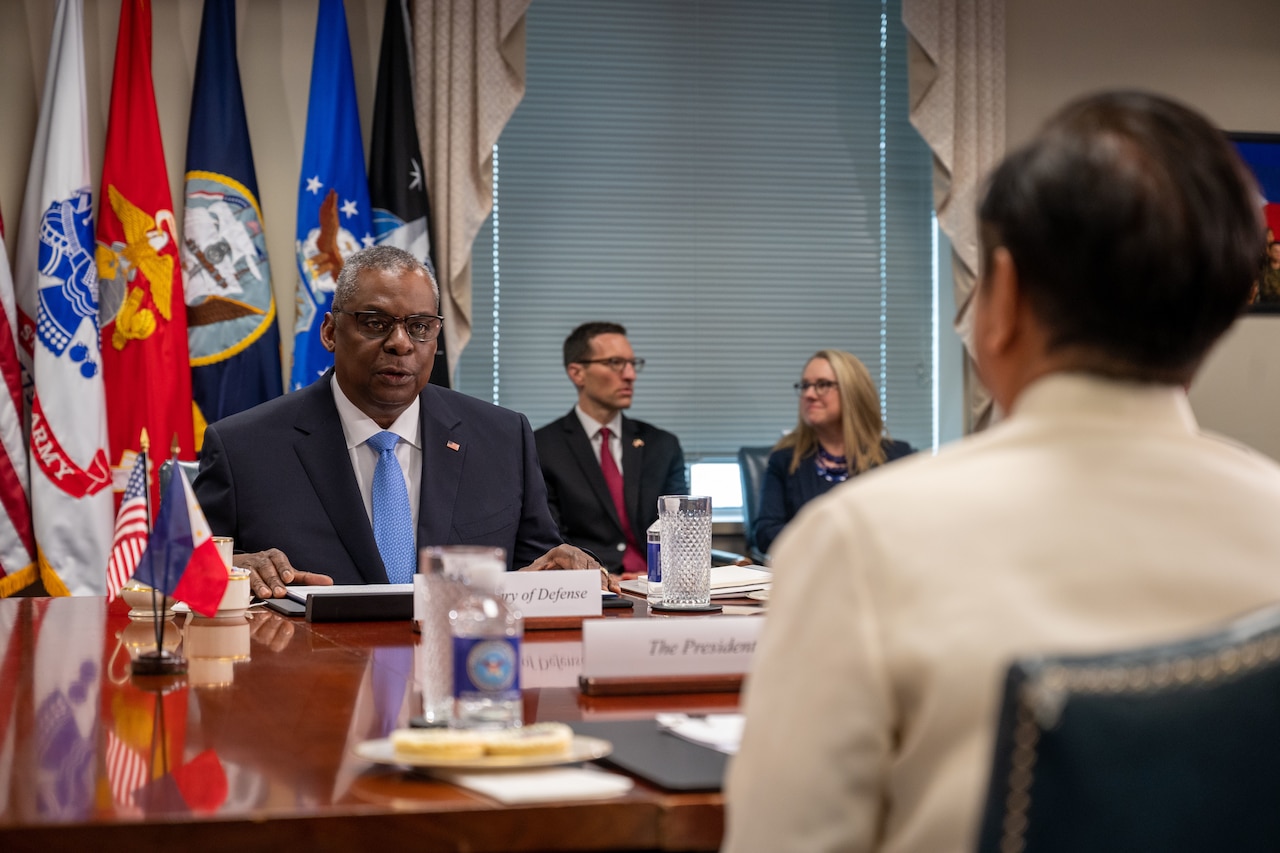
784	492
652	466
279	476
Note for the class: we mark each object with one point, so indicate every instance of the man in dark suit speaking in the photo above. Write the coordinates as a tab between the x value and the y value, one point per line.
605	472
331	483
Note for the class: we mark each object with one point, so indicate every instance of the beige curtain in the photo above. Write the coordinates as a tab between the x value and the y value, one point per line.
957	103
468	80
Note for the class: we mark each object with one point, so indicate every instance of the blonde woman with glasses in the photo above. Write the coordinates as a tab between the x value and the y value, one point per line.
839	434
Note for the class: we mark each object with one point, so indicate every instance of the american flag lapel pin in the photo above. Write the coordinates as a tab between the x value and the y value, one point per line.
452	445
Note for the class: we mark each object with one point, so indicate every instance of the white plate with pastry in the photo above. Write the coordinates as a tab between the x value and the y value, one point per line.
537	745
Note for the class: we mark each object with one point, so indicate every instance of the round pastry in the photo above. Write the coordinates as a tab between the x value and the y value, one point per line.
537	739
436	744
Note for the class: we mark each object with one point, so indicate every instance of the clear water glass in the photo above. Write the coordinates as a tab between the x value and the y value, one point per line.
686	550
438	587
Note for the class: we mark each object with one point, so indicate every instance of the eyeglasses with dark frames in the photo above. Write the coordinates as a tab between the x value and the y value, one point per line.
377	325
616	364
821	386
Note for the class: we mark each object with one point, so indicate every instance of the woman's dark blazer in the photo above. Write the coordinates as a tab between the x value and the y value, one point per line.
785	491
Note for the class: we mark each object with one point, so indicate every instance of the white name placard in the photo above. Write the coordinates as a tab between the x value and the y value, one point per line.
642	648
550	664
552	593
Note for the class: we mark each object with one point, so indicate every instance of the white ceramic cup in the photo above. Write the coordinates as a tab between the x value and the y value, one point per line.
226	548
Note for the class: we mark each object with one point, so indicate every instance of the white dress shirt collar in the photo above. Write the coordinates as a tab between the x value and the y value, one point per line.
359	427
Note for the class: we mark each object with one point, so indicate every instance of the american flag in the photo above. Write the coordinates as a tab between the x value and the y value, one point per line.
126	772
131	530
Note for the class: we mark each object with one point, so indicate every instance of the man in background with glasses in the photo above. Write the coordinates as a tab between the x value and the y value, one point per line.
605	472
342	481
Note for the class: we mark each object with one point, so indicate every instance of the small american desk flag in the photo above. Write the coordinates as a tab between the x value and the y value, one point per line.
130	538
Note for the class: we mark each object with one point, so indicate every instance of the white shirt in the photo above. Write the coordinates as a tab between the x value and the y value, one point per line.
359	428
592	428
1096	518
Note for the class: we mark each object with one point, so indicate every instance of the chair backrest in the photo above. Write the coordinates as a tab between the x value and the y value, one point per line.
752	464
1171	748
166	472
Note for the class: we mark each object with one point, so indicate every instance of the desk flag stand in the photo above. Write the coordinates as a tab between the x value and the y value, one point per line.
157	661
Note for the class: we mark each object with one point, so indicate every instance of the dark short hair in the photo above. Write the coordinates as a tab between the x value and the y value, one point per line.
578	345
1135	230
382	257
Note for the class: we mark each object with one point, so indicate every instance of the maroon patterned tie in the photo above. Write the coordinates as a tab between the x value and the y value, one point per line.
631	559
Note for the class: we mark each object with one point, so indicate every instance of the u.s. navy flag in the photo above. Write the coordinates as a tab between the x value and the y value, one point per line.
57	293
144	321
334	218
397	181
17	542
231	313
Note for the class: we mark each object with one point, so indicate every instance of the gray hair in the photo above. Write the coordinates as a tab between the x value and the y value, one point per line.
384	257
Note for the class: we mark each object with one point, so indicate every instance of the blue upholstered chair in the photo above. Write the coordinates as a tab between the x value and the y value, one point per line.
1174	748
752	464
166	472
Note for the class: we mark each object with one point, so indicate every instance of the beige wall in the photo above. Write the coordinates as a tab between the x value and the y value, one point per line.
275	44
1221	56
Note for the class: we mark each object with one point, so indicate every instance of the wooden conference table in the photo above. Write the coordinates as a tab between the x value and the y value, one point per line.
247	753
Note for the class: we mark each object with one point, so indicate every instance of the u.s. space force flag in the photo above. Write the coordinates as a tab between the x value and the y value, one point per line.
17	542
334	218
231	313
397	182
57	293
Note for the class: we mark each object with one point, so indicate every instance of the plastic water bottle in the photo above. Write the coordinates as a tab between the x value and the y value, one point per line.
486	660
653	583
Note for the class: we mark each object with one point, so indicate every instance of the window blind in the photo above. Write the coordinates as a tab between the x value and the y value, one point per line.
737	183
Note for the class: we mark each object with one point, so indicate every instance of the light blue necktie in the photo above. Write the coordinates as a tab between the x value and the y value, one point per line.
392	520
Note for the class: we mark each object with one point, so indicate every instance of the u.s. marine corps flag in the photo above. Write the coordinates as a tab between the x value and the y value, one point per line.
231	313
142	310
334	218
56	284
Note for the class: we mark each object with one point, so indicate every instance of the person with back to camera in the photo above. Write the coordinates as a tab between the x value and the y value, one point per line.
1117	246
838	435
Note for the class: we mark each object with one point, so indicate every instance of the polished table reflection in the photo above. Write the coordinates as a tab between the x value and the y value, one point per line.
253	745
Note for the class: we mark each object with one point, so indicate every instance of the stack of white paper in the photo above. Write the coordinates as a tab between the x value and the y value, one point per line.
726	581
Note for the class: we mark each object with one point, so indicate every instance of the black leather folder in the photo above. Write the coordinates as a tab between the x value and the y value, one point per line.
640	747
360	607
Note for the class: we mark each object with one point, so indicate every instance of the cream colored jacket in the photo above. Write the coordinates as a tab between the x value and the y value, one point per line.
1096	517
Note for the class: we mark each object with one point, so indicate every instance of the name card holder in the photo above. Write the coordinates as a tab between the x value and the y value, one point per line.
552	599
652	656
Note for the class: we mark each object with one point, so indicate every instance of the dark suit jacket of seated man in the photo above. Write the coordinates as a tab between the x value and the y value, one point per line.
281	480
278	476
600	363
652	465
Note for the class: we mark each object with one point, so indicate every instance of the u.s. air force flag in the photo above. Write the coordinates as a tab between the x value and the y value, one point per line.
334	218
57	294
397	183
231	313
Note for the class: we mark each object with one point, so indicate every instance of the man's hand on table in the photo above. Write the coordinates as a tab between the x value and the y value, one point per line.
569	557
270	570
